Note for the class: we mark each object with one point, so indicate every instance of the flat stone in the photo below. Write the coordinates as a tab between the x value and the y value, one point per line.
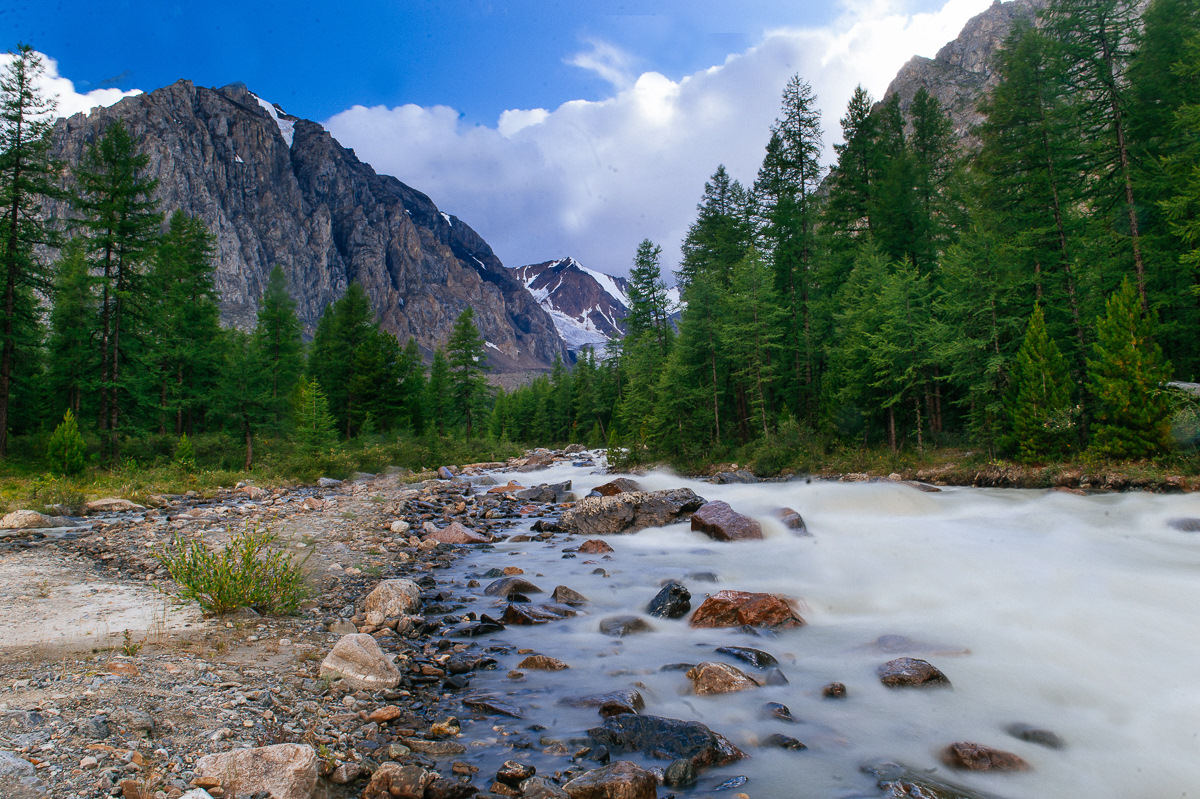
737	608
720	522
513	773
629	512
542	663
977	757
525	613
620	780
285	771
711	677
111	505
359	661
385	714
1036	735
492	706
910	672
621	626
667	739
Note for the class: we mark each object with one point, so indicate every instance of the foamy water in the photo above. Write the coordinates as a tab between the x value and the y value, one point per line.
1077	614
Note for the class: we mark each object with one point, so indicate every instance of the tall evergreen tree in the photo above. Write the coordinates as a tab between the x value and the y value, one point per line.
27	175
437	392
244	395
345	325
118	211
72	354
467	360
1127	377
277	331
1041	416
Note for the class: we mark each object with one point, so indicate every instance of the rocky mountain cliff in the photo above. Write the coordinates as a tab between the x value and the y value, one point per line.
587	306
961	73
275	189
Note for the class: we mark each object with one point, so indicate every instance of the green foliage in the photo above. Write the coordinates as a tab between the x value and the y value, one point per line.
66	451
185	453
467	361
1127	377
314	423
252	571
1042	419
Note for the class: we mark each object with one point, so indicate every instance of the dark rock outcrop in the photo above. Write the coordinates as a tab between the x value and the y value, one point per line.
720	522
630	511
672	602
278	190
667	739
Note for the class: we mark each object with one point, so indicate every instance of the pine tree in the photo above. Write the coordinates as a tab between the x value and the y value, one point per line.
246	400
27	175
467	360
1127	377
316	428
1041	416
185	322
437	392
66	450
648	311
277	332
345	326
750	337
410	395
73	355
115	201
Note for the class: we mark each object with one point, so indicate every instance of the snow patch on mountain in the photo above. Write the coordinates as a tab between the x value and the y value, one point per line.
287	128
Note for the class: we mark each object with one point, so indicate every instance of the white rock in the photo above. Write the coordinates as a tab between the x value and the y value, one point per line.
358	660
393	598
285	771
25	520
400	526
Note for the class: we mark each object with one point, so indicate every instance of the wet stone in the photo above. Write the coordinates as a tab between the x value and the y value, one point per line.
680	774
1036	735
672	602
776	710
612	703
620	780
621	626
511	585
755	657
977	757
780	741
835	690
737	608
720	522
911	672
718	678
568	596
492	706
594	546
513	773
542	663
793	521
667	739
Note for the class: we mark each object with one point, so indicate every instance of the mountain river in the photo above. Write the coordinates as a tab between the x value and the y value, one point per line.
1076	614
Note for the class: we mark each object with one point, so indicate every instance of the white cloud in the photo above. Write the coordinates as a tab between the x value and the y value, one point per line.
70	102
591	179
608	61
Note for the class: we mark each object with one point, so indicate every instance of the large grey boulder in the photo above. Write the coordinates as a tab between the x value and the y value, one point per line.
391	599
358	660
629	511
285	771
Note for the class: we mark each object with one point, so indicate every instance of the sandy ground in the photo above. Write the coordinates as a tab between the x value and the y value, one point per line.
55	601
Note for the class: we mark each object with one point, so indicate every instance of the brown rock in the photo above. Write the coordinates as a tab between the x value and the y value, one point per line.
456	533
629	512
392	599
910	672
394	781
977	757
358	660
612	703
513	485
718	678
792	520
385	714
835	690
513	773
619	486
542	663
594	546
511	585
621	626
720	522
735	608
285	771
25	520
568	596
620	780
111	505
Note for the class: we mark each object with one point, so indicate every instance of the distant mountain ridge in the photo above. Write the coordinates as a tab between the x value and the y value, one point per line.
278	190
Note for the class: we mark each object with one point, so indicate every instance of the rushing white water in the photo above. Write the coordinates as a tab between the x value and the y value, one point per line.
1077	614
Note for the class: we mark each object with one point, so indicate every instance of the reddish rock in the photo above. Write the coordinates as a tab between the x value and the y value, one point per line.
511	585
910	672
385	714
542	663
513	485
720	522
618	486
620	780
735	608
456	533
594	547
792	520
835	690
977	757
718	678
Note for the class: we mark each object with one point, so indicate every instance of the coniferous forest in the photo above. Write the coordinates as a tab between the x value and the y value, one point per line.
1027	289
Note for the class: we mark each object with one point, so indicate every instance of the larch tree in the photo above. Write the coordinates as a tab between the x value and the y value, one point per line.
1041	415
467	359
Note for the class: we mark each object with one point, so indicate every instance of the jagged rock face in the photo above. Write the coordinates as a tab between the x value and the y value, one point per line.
588	307
274	189
962	72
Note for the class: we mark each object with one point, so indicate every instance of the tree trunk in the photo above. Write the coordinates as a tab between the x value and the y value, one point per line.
249	443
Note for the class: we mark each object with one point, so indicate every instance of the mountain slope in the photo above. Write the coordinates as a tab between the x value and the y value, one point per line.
275	189
588	307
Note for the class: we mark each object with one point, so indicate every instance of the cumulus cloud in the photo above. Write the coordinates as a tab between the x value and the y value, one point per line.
70	102
591	179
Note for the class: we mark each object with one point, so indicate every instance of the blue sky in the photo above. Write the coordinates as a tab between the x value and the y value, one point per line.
553	128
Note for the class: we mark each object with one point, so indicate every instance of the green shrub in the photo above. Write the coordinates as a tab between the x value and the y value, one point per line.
185	454
66	451
251	571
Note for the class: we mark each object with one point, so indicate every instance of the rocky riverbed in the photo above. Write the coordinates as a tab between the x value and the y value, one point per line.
421	666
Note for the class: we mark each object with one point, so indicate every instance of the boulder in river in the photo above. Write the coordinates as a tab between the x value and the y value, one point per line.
712	677
736	608
621	626
568	596
911	672
672	602
1036	735
755	657
526	613
111	505
620	780
667	739
900	780
629	512
793	521
720	522
977	757
742	476
358	660
542	663
506	586
284	771
594	546
613	703
394	781
619	486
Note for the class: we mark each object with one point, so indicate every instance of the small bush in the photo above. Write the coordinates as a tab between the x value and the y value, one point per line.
249	572
56	497
66	451
185	454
